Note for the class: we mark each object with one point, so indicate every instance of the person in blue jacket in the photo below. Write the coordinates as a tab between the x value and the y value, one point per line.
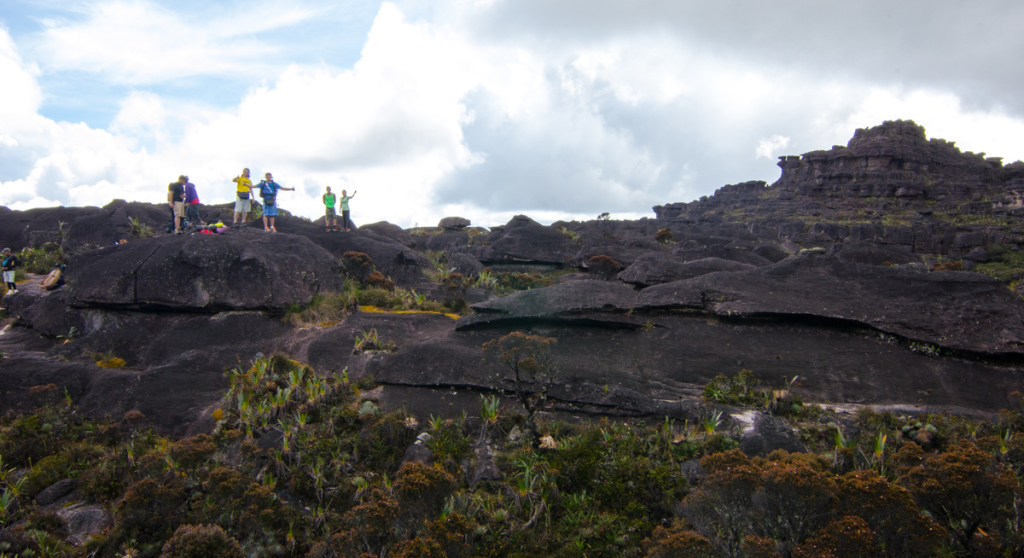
268	191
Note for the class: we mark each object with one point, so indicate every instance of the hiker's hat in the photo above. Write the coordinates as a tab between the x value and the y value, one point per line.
6	250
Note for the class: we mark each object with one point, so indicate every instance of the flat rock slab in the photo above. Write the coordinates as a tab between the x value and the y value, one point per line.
242	269
955	310
655	268
592	300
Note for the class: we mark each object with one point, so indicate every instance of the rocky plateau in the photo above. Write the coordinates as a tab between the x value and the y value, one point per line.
859	270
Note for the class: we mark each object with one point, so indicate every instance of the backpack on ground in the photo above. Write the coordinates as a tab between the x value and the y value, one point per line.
55	279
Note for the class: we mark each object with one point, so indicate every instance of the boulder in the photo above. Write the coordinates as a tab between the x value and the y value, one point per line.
658	267
525	240
239	270
85	520
443	242
464	264
385	232
454	223
768	434
56	491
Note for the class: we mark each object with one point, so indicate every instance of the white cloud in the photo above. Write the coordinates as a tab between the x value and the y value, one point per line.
768	147
437	119
141	42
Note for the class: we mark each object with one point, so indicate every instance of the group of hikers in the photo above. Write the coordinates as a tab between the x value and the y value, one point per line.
184	202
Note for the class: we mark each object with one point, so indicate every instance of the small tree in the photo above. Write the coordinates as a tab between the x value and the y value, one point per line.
530	371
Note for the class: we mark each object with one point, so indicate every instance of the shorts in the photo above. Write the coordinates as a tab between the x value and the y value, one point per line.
179	209
270	210
331	214
242	206
8	277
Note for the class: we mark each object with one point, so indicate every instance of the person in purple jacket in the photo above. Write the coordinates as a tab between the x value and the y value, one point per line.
192	203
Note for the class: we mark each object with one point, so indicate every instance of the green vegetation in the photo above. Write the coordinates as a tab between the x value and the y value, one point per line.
300	465
140	228
1005	264
40	260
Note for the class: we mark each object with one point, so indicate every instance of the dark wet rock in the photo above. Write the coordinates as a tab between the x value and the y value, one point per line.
484	468
658	267
769	434
270	440
385	231
874	254
454	223
690	252
465	264
577	300
442	242
56	491
957	310
401	264
34	227
977	255
239	270
524	240
85	520
418	453
771	252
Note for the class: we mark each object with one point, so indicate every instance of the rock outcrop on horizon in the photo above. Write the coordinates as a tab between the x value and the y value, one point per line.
846	272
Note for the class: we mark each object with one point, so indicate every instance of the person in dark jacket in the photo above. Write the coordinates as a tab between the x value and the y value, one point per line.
9	263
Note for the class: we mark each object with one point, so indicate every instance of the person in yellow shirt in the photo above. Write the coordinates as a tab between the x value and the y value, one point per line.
243	197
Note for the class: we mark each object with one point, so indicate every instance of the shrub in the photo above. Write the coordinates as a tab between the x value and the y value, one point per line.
150	510
677	540
201	541
377	279
964	488
604	267
453	292
192	452
421	490
530	371
357	264
663	235
40	260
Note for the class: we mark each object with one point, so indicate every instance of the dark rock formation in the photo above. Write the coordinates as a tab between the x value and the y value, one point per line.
657	267
957	310
821	274
768	434
524	240
238	270
454	223
56	491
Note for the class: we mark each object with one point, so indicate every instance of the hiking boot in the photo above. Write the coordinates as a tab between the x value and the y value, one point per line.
272	229
266	229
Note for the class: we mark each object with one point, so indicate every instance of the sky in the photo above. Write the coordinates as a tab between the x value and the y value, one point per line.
484	109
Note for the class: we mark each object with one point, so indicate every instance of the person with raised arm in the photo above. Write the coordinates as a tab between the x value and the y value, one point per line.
268	191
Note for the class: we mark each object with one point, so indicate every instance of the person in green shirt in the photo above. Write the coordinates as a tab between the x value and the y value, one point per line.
345	221
331	217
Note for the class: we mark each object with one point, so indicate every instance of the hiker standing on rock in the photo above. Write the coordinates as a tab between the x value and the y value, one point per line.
176	201
345	221
192	204
243	193
331	216
9	264
268	191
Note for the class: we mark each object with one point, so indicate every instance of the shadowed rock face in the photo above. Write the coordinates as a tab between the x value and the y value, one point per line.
800	277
